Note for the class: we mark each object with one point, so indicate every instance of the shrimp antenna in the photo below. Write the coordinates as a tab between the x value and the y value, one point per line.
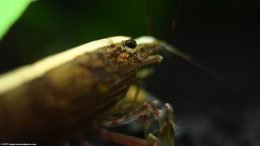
190	59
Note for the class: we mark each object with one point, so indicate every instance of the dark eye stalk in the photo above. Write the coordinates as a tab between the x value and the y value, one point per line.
130	43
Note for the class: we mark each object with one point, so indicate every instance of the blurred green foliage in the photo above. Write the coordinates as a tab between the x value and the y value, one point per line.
10	10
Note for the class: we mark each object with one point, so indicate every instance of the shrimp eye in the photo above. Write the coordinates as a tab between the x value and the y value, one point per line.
130	43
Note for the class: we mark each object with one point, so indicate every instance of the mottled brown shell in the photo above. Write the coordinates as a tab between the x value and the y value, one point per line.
71	96
77	91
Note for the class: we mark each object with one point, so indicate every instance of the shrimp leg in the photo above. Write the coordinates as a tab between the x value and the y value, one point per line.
163	117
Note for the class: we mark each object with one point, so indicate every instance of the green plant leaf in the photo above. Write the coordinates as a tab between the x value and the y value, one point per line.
10	11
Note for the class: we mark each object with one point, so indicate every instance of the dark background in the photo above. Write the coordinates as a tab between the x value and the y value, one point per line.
221	35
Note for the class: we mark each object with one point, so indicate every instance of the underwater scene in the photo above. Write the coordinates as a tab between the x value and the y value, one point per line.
133	73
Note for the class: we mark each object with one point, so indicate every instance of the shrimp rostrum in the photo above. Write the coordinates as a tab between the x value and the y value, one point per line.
81	88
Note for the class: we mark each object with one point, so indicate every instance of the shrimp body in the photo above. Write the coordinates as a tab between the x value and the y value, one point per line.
53	97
